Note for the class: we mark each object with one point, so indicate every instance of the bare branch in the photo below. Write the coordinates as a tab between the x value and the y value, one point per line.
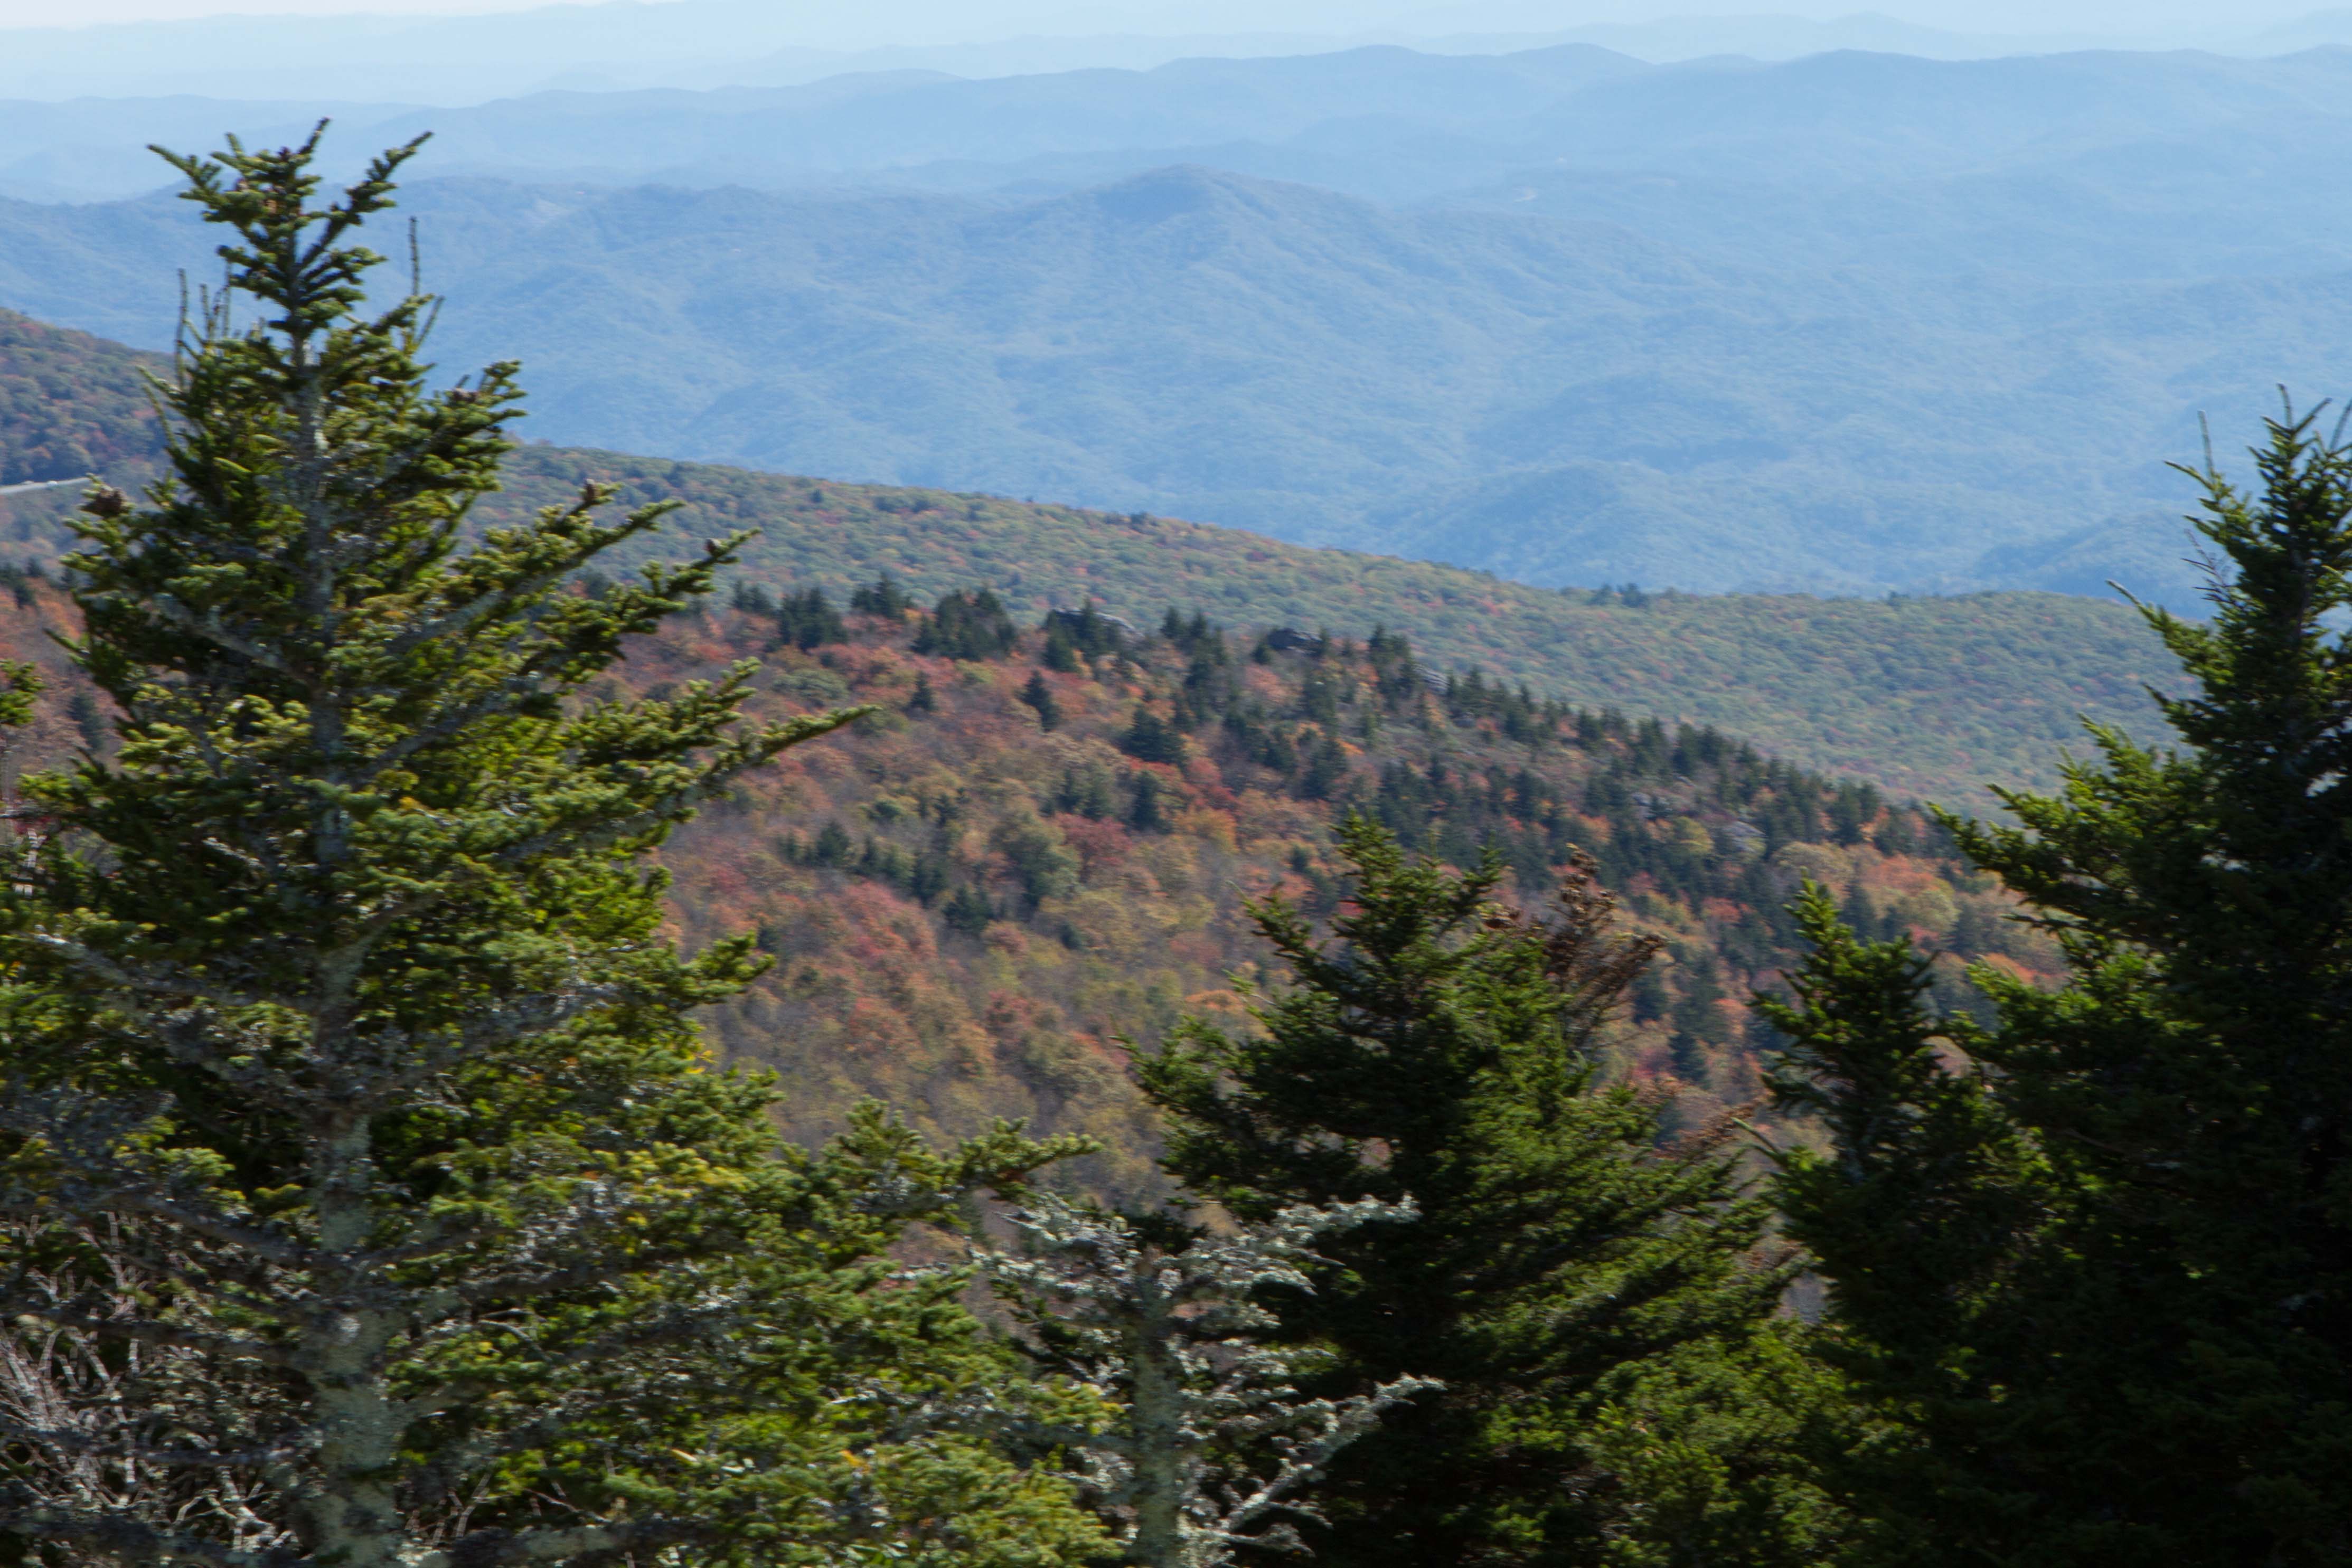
212	630
72	1442
124	1536
81	1316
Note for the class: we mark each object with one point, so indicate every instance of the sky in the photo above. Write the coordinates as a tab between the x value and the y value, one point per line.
975	17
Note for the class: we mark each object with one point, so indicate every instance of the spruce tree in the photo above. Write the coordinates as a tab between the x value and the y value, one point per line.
1039	695
1151	738
966	625
807	619
1439	1050
883	596
2093	1259
366	1195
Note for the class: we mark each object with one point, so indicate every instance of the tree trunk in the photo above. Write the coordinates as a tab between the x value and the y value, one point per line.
1158	1427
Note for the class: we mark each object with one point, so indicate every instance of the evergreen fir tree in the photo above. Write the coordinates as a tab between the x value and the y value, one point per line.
883	596
807	619
2093	1259
1148	812
1439	1050
967	626
1325	767
1040	696
1085	631
367	1197
1151	738
1086	790
968	910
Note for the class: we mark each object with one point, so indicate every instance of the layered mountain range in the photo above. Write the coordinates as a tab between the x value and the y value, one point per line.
615	45
1933	697
1100	735
1851	323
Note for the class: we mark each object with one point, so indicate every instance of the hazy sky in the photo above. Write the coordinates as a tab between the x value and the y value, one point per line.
971	18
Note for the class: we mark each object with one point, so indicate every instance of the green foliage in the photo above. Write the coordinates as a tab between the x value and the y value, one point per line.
1039	695
1083	632
968	910
20	683
367	1193
808	620
1152	738
2094	1269
1148	812
883	596
1565	1269
967	626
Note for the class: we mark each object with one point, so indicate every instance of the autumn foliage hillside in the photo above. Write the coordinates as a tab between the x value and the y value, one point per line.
70	403
1036	854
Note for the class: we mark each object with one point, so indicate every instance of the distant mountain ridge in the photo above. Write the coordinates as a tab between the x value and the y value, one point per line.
1930	698
1453	122
1851	323
1561	402
709	43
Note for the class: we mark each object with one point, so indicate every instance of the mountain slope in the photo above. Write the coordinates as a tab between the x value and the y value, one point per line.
70	405
974	913
1927	696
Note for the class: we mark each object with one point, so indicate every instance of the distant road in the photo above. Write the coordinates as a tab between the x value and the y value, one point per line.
39	484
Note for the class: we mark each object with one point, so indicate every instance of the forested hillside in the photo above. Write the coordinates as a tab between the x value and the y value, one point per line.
70	405
1041	848
1930	698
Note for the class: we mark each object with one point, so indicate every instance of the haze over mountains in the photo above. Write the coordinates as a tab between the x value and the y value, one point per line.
700	44
1924	696
1852	322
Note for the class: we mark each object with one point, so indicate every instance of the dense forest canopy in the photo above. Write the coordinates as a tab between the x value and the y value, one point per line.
70	406
1033	851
